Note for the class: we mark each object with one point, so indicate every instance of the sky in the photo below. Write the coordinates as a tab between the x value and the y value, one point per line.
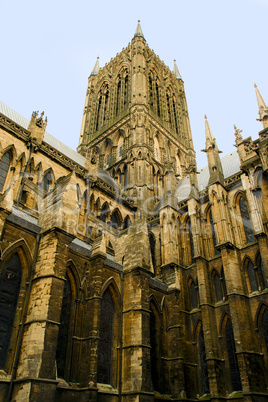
49	49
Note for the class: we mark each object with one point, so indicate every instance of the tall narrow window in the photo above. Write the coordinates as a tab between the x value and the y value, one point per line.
252	277
218	287
106	339
47	181
64	329
191	243
10	279
98	113
4	168
261	273
246	220
233	364
118	97
152	248
193	295
216	251
265	327
126	92
125	177
105	107
151	92
154	351
203	361
115	220
168	107
175	117
157	98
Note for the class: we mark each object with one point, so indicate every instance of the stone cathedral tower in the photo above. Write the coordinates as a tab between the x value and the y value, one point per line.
136	120
125	274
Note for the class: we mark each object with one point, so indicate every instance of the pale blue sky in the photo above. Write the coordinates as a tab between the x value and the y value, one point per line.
49	50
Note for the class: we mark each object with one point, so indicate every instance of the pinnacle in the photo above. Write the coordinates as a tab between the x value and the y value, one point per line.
261	103
96	68
139	31
176	71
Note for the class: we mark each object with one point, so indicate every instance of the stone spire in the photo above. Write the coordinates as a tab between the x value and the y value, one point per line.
263	109
176	71
139	31
96	68
213	157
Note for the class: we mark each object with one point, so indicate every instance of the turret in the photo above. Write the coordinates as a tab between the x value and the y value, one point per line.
263	109
214	162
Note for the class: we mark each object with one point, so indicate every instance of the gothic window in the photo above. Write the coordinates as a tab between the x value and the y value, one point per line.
126	92
98	113
246	220
152	248
203	362
169	110
155	348
190	242
4	168
126	222
102	107
64	329
232	358
252	278
218	287
118	96
151	91
157	99
264	325
193	295
10	280
213	232
261	273
105	107
125	177
115	220
47	181
106	339
104	212
175	117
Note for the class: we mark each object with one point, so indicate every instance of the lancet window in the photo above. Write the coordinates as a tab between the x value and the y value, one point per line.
4	168
154	94
10	280
246	220
122	92
102	107
233	364
203	362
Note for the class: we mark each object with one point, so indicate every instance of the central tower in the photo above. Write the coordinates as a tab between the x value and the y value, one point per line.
136	120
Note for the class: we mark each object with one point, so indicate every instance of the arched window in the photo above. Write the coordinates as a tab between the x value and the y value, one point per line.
168	108
175	117
253	282
125	177
118	96
218	287
203	362
190	241
102	106
126	92
115	220
47	181
152	248
246	220
10	280
193	295
104	212
233	364
126	222
4	168
261	273
157	99
106	339
216	251
98	113
155	348
64	329
264	324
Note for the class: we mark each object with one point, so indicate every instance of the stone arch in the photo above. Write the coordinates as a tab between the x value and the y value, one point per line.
14	275
250	275
193	293
242	218
48	180
109	332
216	280
7	161
116	219
102	105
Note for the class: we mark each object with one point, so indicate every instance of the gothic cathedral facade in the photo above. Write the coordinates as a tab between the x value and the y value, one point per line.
125	273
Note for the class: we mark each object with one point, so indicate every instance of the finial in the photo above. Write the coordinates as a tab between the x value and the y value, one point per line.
238	136
96	68
138	31
176	71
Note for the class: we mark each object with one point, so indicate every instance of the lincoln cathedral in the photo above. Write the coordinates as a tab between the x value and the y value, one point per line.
126	274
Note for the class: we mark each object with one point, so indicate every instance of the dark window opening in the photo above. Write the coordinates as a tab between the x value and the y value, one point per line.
252	277
233	364
10	280
265	327
213	233
152	248
246	220
218	287
193	295
106	339
64	329
203	361
4	168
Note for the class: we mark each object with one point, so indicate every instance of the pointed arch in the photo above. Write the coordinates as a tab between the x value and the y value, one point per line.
263	282
251	277
261	321
5	164
193	293
216	278
48	180
116	219
247	234
127	222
